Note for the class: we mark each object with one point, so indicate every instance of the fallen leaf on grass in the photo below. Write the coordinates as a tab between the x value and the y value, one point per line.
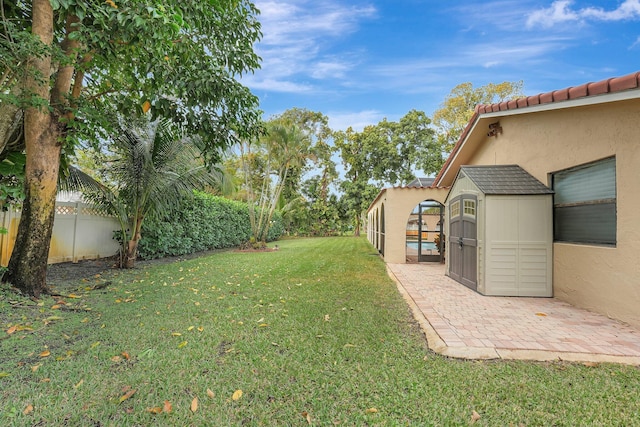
307	416
371	411
35	367
127	395
116	359
61	358
4	374
326	318
190	328
210	393
236	395
167	407
182	344
200	329
194	404
590	364
475	417
52	319
541	314
125	355
55	306
28	410
79	384
45	353
12	329
176	334
155	410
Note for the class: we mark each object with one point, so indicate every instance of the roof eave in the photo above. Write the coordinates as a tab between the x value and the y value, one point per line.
471	136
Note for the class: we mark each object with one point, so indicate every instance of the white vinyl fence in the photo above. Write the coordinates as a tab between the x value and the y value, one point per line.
79	232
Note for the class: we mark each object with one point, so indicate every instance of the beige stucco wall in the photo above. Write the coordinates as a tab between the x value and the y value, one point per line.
398	204
602	279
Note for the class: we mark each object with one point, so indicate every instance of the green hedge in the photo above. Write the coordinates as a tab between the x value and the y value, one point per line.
205	222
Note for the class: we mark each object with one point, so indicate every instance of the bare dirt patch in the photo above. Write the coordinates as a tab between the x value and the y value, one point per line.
66	272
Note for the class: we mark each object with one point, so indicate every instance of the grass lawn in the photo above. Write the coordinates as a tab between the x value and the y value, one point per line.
315	333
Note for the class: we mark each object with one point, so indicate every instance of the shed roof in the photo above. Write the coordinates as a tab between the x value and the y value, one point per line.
505	180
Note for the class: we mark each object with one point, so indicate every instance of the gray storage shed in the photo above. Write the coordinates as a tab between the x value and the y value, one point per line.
500	228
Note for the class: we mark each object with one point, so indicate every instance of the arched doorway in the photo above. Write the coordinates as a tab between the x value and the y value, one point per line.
424	233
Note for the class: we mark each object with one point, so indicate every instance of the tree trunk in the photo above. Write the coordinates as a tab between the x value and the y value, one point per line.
130	253
131	248
356	231
28	263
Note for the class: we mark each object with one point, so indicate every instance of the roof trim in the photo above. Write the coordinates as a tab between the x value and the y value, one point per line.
608	90
587	90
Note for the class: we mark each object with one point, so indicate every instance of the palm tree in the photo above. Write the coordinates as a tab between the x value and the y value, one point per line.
155	166
267	164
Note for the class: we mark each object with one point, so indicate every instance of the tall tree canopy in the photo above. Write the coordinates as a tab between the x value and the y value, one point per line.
71	64
312	185
395	150
388	153
458	107
358	191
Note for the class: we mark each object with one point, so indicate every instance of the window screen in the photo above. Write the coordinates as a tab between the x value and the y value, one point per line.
585	203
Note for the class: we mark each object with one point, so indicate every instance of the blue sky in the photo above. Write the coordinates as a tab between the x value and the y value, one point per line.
359	61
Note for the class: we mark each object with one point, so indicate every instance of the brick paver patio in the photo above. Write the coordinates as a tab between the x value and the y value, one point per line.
459	322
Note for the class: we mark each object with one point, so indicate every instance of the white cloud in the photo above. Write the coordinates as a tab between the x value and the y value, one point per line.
355	120
330	69
489	17
274	85
287	22
628	9
420	75
560	11
296	37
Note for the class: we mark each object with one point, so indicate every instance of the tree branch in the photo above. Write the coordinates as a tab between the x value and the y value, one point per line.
62	84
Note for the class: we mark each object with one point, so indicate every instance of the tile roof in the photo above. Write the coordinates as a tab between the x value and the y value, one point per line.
611	85
614	84
505	180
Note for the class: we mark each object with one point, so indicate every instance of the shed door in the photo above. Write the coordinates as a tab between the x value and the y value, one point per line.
463	240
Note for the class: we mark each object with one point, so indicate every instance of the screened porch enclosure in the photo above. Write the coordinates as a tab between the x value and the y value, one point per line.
424	235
